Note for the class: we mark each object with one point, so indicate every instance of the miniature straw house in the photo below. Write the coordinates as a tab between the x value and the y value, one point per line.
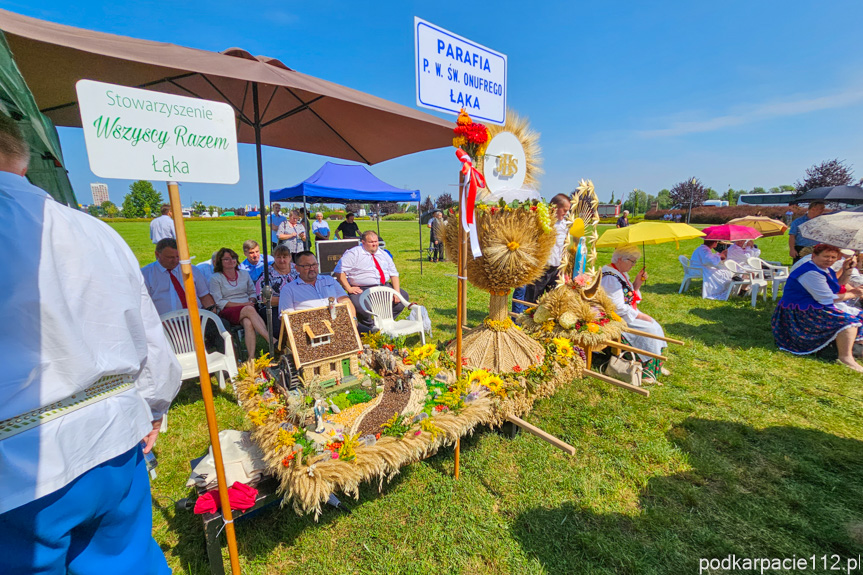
323	347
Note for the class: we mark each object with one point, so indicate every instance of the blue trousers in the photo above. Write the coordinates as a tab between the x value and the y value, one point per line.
100	523
519	293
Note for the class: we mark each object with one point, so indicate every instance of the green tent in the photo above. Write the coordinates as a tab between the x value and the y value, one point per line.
46	160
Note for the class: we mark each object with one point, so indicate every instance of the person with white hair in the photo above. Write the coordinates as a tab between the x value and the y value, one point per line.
320	227
623	220
626	294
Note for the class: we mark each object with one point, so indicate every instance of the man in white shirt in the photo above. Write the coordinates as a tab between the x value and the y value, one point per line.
163	226
164	280
88	374
274	220
363	267
311	290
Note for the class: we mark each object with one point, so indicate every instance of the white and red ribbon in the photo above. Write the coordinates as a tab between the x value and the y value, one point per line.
471	181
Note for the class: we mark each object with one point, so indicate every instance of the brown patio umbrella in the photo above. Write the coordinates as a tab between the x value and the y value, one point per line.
274	105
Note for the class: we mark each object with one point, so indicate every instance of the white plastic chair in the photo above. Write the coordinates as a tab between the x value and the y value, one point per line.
774	273
755	282
178	328
689	273
378	301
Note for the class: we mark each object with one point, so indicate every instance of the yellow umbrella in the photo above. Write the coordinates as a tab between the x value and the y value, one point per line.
648	233
767	226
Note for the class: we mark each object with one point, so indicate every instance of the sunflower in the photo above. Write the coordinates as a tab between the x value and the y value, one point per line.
563	346
478	376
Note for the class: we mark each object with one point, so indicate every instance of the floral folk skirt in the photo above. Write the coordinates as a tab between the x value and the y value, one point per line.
804	331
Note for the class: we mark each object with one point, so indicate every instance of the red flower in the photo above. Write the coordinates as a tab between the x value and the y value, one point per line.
378	435
422	372
533	208
464	361
516	368
287	460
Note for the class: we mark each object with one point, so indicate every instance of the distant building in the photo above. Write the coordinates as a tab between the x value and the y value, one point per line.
608	210
100	193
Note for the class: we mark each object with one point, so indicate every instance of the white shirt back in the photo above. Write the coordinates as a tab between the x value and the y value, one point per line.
75	310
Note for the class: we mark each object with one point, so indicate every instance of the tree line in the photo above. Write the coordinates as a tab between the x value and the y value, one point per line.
829	173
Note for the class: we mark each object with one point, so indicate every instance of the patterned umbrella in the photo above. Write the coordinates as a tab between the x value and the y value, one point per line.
842	229
767	226
730	233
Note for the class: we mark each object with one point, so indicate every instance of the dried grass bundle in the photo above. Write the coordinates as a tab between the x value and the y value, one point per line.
514	249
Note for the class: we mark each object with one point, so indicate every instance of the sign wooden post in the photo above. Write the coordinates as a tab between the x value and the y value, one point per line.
206	386
134	133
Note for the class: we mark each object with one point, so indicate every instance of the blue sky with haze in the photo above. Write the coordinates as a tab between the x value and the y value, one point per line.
628	94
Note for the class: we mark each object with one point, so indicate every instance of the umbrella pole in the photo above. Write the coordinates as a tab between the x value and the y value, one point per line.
206	386
307	243
378	218
264	235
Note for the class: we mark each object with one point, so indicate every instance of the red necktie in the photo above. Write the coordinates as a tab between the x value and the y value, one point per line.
380	270
178	288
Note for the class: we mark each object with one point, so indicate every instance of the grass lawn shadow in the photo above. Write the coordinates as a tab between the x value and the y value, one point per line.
733	325
775	492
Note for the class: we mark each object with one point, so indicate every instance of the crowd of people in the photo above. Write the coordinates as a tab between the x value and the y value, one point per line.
238	291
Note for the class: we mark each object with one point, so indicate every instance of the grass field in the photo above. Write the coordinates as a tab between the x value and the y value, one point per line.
744	451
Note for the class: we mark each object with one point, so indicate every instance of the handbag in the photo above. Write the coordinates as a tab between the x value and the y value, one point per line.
625	370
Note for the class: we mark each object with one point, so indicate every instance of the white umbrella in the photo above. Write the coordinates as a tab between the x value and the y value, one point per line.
842	229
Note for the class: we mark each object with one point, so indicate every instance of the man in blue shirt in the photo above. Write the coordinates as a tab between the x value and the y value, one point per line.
274	219
253	263
797	242
311	290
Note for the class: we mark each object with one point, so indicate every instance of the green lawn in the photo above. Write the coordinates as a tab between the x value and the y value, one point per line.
743	451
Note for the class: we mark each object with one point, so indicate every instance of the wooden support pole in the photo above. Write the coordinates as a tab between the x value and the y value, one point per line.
461	304
618	383
563	446
527	303
646	334
206	387
623	346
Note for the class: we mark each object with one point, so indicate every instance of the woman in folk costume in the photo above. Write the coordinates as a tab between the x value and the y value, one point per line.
812	312
625	294
715	277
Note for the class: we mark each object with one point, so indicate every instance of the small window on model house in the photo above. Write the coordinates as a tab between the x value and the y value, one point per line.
320	340
317	370
332	366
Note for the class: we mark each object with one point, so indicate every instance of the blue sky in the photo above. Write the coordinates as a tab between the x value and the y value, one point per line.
628	94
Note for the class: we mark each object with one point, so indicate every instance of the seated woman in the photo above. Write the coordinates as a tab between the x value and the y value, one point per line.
282	272
741	250
714	275
625	294
234	293
812	312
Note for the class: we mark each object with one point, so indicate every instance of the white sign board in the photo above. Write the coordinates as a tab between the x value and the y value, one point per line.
454	73
504	166
139	134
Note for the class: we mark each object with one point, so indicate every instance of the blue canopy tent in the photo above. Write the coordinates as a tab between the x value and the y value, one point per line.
341	184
